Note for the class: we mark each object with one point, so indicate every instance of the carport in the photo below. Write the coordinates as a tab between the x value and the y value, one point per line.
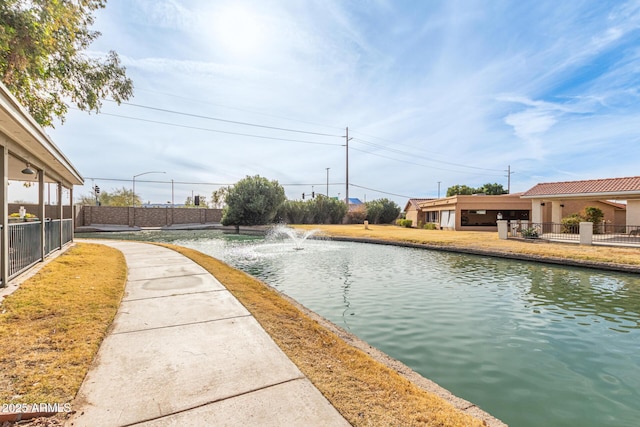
28	154
557	193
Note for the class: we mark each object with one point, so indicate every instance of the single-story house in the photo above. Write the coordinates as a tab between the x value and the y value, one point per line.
476	212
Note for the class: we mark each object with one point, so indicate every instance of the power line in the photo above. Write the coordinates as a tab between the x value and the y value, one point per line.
380	191
245	110
362	141
151	181
228	121
219	131
418	164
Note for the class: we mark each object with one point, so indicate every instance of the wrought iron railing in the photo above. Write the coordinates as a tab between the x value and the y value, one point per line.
25	242
602	233
52	236
67	231
616	234
24	246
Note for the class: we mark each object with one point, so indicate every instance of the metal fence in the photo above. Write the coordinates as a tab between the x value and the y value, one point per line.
616	234
67	231
544	230
24	246
51	236
602	233
25	242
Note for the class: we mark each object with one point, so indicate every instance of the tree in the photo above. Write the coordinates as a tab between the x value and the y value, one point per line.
87	200
494	189
382	211
460	190
218	197
488	189
191	203
118	197
253	200
42	60
325	210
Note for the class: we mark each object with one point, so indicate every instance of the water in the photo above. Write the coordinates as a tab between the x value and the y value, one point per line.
532	344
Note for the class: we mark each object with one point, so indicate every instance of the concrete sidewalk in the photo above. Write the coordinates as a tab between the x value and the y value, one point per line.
184	351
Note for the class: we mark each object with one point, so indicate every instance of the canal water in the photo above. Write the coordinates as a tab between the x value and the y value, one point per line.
532	344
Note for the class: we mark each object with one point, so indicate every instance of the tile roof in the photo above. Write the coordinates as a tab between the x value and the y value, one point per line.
592	186
415	203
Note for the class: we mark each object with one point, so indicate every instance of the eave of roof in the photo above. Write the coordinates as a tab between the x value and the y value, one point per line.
596	188
18	125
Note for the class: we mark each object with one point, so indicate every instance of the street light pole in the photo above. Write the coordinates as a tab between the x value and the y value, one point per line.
133	196
327	181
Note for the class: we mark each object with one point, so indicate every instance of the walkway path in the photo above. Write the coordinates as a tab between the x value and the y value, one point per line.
184	351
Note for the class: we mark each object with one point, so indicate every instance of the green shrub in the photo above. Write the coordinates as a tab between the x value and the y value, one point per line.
382	211
594	215
530	233
430	226
404	222
356	216
571	224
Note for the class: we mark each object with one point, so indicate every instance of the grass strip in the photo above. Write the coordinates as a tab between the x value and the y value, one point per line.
485	241
52	326
364	391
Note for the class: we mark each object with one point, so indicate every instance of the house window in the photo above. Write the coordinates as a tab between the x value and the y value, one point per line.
432	216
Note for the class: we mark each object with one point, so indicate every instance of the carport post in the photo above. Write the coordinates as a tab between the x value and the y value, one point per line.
60	211
4	217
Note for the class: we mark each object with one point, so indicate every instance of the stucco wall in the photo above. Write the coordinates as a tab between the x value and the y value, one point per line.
633	212
577	206
145	217
416	217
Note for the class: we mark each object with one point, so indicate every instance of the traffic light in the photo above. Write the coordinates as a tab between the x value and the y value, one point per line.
313	194
197	201
96	189
302	196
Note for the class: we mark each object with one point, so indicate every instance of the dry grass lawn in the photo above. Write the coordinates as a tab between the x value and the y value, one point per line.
364	391
485	241
52	326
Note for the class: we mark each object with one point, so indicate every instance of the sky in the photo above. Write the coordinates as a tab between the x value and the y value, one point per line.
434	94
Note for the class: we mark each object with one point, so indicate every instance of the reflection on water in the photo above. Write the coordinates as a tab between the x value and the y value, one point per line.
533	344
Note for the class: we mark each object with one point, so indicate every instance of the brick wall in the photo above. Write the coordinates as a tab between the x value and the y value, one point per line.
144	217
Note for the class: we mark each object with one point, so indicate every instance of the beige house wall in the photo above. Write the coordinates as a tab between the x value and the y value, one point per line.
460	203
414	215
612	214
633	212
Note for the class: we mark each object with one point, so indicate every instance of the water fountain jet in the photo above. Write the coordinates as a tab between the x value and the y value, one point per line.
296	236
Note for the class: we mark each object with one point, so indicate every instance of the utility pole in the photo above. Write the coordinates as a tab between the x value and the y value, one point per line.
346	199
327	181
439	189
509	179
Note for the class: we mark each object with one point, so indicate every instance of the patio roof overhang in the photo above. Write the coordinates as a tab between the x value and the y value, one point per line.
610	195
28	143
